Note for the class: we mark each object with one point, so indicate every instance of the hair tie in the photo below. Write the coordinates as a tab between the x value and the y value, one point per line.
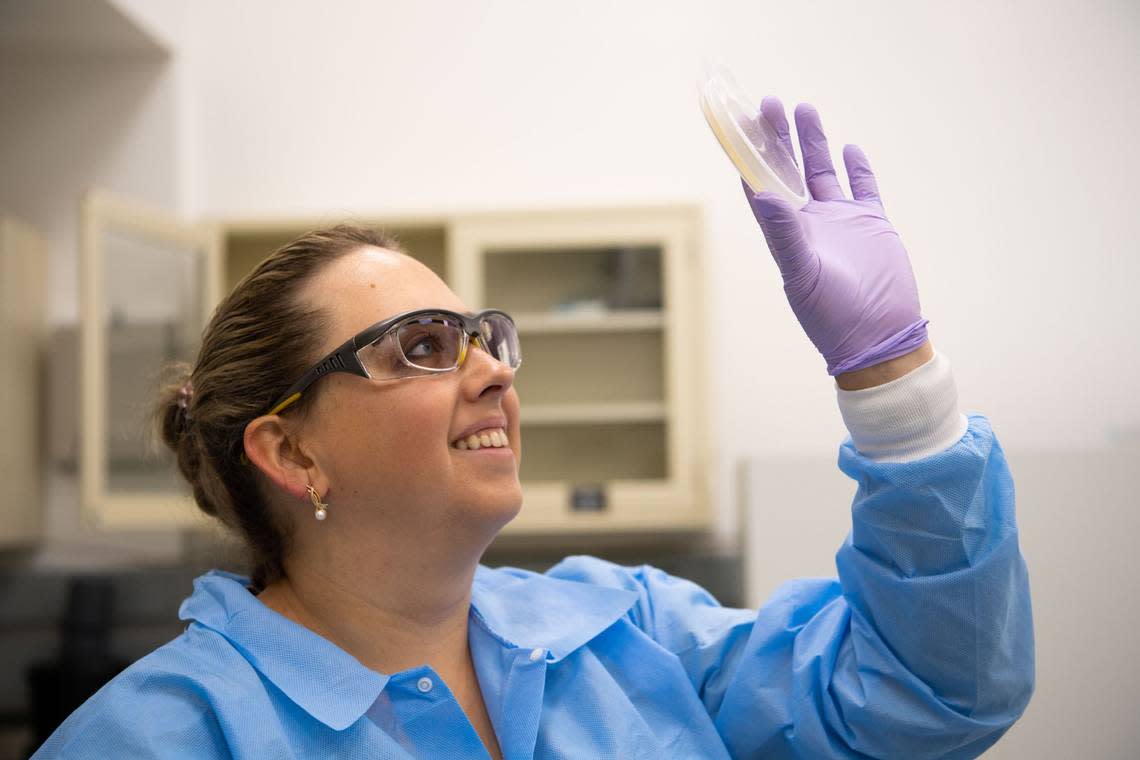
184	394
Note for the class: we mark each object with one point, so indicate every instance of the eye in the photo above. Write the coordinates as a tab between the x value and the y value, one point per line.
430	344
422	348
427	346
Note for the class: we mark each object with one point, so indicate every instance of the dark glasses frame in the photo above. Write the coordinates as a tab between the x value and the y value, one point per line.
344	357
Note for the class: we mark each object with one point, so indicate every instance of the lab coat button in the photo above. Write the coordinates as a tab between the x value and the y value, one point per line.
424	685
536	654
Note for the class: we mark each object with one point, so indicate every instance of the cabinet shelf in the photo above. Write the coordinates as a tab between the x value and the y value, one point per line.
593	414
631	320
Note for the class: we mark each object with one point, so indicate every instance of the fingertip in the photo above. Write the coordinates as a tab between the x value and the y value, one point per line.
856	160
859	174
806	109
808	121
771	103
773	112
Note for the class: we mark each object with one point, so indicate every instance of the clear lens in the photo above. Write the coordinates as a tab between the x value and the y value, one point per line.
500	339
419	347
431	343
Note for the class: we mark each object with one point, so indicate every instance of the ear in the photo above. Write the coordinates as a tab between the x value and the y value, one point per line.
271	445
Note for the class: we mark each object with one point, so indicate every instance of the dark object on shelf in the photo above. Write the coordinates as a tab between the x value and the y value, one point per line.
634	278
588	499
84	664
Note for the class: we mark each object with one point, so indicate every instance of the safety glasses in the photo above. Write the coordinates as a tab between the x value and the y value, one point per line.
414	344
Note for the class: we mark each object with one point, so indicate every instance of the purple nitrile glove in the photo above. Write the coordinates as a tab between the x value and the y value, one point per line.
845	270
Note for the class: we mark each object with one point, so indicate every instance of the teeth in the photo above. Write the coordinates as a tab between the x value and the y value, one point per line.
484	440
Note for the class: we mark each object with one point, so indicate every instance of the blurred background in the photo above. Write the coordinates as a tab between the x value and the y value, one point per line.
551	159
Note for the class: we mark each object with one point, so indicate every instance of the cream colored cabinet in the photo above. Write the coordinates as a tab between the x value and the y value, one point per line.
606	303
23	269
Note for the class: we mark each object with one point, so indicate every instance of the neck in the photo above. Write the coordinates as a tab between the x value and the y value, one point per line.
391	610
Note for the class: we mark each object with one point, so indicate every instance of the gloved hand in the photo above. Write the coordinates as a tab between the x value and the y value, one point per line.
845	270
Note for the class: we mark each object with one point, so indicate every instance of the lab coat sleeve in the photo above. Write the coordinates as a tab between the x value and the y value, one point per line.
923	647
143	713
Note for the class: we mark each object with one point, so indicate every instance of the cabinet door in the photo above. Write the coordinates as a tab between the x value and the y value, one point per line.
605	302
147	283
23	265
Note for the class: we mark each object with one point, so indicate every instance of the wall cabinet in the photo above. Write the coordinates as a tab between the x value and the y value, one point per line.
607	306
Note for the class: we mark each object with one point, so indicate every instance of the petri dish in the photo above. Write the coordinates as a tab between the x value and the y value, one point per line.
749	142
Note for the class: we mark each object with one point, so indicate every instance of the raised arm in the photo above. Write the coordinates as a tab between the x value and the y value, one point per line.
924	647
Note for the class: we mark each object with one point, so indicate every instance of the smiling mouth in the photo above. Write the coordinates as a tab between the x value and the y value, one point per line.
491	438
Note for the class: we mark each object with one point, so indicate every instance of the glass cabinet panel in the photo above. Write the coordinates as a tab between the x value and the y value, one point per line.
152	315
148	284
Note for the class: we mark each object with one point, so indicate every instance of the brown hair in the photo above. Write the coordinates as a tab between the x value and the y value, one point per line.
259	340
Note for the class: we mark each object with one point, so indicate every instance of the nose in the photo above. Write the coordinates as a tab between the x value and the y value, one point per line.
486	376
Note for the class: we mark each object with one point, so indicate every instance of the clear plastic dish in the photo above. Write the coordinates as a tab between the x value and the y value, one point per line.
748	141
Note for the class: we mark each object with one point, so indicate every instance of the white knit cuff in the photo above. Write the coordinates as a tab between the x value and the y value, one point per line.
908	418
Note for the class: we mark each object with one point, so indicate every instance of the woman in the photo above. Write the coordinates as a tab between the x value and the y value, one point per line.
369	482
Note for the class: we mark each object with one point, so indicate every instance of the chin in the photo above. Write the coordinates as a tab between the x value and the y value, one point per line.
494	510
509	508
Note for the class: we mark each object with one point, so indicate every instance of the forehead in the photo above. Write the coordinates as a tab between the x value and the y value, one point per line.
371	284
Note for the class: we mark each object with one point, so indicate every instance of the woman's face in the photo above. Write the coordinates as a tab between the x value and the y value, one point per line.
387	447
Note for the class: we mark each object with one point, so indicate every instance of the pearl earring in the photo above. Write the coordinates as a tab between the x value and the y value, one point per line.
320	509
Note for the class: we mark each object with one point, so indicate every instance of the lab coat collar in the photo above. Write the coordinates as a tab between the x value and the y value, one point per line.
320	677
533	611
518	609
